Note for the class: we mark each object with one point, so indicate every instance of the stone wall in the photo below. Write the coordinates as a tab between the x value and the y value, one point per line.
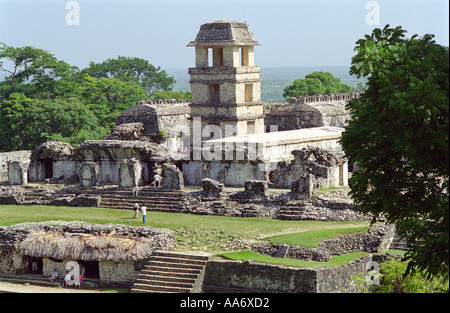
250	277
377	239
17	156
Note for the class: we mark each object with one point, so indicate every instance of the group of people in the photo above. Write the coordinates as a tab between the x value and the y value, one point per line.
156	183
67	280
143	210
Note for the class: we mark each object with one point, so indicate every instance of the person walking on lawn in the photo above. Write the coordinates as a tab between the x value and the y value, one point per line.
144	212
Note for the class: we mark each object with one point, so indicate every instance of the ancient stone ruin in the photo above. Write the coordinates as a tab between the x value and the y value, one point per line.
221	138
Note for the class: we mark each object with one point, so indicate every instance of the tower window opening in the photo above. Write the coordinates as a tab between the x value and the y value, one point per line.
244	56
214	93
248	93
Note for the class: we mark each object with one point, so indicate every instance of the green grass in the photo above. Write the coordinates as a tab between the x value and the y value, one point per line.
311	239
260	258
193	232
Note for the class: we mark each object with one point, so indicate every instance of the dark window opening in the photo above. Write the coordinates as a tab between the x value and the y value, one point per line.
48	168
90	269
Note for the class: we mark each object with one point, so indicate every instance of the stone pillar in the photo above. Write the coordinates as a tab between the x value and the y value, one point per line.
303	187
129	173
256	188
89	174
172	177
17	173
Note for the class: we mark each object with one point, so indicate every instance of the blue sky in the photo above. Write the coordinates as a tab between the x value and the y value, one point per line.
292	32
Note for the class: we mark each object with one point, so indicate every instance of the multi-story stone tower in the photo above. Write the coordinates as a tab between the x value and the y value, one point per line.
225	83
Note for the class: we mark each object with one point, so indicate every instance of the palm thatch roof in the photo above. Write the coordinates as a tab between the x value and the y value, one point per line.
86	247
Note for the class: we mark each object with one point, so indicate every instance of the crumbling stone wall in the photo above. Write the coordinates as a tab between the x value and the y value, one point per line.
248	276
312	169
23	157
377	239
311	111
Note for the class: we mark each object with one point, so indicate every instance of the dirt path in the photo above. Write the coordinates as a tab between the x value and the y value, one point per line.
6	287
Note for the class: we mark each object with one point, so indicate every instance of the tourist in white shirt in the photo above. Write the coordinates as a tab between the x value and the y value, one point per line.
144	212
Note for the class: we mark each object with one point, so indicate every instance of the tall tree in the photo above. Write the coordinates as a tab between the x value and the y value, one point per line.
26	123
108	97
135	70
398	135
316	83
32	71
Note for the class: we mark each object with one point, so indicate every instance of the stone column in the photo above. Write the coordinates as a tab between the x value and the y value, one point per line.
130	173
89	173
17	173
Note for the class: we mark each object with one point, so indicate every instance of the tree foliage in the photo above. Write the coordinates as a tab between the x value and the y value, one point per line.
43	98
26	123
133	70
316	83
398	136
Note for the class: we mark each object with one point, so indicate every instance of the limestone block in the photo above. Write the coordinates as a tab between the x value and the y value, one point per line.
130	173
303	187
256	188
211	186
89	174
17	173
172	177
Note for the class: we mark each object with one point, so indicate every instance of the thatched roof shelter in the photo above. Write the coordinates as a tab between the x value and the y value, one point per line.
86	247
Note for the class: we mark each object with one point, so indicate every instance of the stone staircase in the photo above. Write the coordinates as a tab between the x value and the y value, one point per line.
41	280
171	272
291	212
156	199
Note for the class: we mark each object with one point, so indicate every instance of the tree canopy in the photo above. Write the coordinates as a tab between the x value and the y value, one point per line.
398	136
133	70
43	98
316	83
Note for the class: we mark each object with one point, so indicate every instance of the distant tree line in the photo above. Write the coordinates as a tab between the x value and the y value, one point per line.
43	98
316	83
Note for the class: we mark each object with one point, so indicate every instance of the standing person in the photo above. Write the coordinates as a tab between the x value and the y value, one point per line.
144	212
156	180
34	264
67	279
136	190
136	210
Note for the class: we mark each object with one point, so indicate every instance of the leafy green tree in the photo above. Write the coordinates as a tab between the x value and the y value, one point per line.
32	71
133	70
177	95
398	136
108	97
26	123
12	132
391	279
314	84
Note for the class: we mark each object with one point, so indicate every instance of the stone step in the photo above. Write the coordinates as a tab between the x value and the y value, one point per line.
165	283
187	266
167	277
170	272
137	287
203	257
41	280
130	203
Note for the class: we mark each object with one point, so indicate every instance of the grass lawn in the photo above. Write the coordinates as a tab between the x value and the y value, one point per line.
193	232
311	239
260	258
